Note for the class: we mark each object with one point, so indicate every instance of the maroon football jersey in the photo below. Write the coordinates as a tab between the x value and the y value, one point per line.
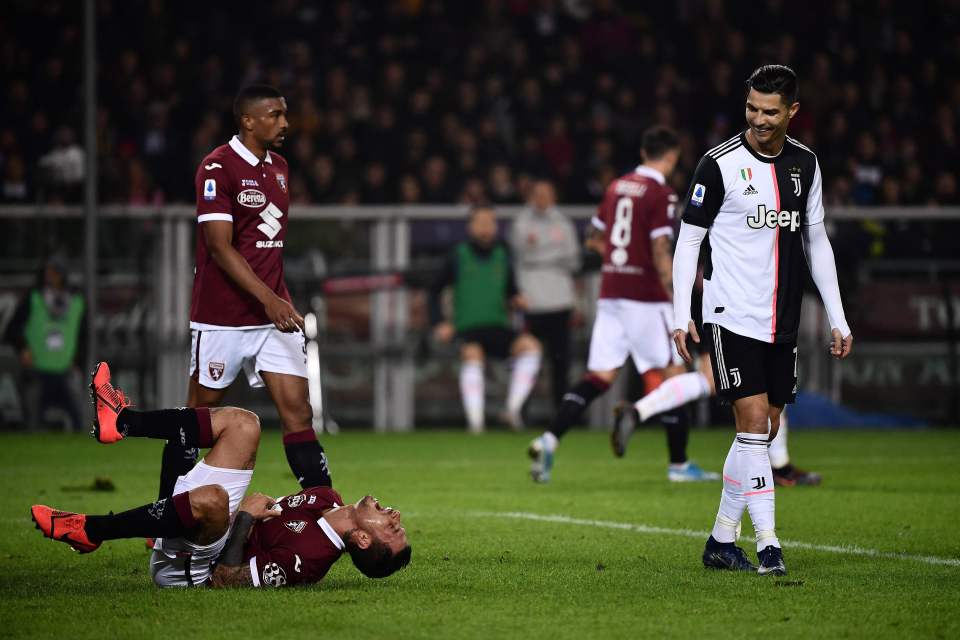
234	185
636	208
298	546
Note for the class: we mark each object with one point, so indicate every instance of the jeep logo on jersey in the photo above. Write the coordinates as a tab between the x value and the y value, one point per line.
773	219
251	198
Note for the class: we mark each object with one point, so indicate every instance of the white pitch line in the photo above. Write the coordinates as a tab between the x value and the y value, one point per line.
690	533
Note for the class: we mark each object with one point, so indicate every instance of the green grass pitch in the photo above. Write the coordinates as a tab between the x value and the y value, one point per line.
619	561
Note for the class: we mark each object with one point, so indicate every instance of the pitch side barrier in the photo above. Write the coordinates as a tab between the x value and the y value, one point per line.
392	276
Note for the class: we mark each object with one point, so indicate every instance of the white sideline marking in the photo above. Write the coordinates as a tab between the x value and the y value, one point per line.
690	533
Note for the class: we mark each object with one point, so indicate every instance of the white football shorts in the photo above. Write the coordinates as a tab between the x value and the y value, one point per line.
177	562
220	354
640	330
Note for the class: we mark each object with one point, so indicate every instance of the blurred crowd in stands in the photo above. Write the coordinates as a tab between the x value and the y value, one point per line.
424	101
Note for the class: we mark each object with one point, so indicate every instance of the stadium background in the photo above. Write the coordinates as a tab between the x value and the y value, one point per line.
403	113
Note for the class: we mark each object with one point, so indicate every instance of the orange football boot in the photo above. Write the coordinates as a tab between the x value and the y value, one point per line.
63	526
109	402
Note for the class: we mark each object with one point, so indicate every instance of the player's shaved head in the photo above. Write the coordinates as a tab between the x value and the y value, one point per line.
775	78
250	95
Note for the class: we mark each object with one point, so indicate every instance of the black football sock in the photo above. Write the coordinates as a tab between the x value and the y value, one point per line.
676	422
167	518
307	459
186	425
575	402
177	461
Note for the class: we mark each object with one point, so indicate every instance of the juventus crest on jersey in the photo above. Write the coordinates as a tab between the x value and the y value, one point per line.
754	207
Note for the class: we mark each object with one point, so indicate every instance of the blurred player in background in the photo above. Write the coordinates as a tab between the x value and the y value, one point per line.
241	317
208	532
633	231
484	291
546	256
759	194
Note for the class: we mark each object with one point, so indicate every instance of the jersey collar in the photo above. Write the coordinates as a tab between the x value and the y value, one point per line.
756	154
331	534
246	154
649	172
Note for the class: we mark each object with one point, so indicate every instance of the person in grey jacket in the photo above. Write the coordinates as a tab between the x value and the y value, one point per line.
546	256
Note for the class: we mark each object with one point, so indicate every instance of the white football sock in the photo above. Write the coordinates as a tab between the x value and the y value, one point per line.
522	378
779	457
672	393
732	502
756	481
550	441
471	390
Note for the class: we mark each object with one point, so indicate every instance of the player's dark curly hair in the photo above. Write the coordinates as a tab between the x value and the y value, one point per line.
775	78
658	140
250	94
376	561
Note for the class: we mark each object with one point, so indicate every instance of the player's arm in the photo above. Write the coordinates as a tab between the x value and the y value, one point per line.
442	329
219	240
661	238
231	570
823	269
515	298
701	206
596	239
662	253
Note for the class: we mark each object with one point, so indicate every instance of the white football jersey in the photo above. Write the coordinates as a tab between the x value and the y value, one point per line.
754	206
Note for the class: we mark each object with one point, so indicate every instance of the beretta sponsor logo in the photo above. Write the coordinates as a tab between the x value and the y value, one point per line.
251	198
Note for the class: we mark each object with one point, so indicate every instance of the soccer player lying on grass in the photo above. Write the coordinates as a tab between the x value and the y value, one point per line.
289	541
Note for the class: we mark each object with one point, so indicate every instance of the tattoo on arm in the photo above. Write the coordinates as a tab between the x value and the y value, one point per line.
224	577
231	570
663	261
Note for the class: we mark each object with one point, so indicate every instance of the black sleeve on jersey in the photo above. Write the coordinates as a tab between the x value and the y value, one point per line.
446	277
703	211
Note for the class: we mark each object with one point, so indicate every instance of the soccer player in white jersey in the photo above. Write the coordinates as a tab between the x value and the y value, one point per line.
759	196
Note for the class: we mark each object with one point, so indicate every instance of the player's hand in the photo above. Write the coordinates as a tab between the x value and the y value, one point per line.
26	358
840	347
282	314
259	506
443	332
680	340
519	302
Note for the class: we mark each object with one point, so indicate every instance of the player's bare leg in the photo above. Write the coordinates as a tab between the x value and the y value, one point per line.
472	385
200	515
541	450
305	455
526	353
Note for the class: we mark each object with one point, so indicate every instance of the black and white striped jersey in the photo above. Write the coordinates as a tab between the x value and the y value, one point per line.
754	206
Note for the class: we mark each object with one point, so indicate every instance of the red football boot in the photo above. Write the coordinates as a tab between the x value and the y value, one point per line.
109	403
63	526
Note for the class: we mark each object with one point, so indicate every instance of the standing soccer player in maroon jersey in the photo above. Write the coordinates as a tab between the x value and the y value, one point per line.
633	230
241	316
208	532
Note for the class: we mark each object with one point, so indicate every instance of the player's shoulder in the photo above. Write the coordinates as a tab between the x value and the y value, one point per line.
725	148
278	160
798	149
219	156
325	494
630	184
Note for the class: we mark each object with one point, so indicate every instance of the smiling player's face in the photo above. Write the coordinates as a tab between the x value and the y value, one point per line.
267	120
383	523
768	117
